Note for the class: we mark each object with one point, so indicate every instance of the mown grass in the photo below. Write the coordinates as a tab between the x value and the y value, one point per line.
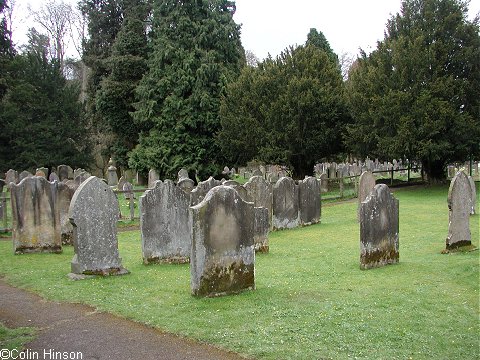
312	301
15	338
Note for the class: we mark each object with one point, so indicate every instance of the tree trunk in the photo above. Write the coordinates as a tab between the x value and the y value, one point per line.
434	171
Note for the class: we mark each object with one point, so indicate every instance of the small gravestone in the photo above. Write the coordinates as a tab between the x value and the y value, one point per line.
65	172
272	177
65	195
379	228
365	187
261	229
165	224
223	257
121	182
474	195
186	185
260	193
128	188
460	206
310	202
182	174
43	171
36	220
23	175
226	171
257	172
94	215
285	204
152	178
202	189
53	177
323	182
11	176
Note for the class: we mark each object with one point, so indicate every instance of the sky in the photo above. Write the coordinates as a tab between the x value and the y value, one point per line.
271	26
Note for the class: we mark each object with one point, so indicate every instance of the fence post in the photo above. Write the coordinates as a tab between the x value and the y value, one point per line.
340	181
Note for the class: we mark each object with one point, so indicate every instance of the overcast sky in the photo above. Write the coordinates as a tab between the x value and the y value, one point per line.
270	26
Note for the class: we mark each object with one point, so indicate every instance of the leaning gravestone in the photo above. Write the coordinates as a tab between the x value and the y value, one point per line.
310	202
365	187
165	224
459	206
379	227
202	189
285	204
65	195
474	195
94	214
36	221
223	256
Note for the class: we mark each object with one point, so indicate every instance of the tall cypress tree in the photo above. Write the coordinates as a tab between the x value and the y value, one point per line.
126	66
196	52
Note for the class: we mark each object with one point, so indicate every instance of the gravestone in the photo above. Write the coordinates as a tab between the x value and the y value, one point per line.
379	229
112	177
261	229
65	172
121	182
474	195
260	193
35	216
186	185
53	177
43	171
240	189
80	172
202	189
272	177
165	224
11	176
309	201
223	257
94	215
257	172
182	174
459	206
152	177
366	184
65	195
226	171
129	191
285	204
323	182
24	174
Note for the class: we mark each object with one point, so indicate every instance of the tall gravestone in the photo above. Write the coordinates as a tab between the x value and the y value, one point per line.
310	203
379	229
94	215
36	220
260	193
165	224
202	189
223	257
285	204
474	195
65	195
152	178
365	187
459	206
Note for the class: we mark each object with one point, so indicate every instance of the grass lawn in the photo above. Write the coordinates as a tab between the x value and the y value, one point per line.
15	338
312	300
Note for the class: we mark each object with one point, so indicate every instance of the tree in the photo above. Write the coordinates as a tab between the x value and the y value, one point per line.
317	39
126	66
289	111
251	58
416	95
41	115
196	52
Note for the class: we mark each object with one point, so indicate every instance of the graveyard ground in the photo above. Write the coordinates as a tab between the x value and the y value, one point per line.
311	301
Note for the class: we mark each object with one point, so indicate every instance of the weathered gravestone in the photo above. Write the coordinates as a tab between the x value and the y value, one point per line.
53	177
112	177
202	189
36	220
41	172
238	188
65	195
474	195
223	257
121	182
365	187
260	193
459	206
94	214
165	224
182	174
65	172
23	175
152	178
310	203
186	185
379	227
128	188
285	204
261	229
11	176
323	182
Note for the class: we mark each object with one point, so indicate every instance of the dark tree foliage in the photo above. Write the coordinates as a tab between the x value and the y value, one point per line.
319	40
196	52
416	95
41	116
126	66
289	111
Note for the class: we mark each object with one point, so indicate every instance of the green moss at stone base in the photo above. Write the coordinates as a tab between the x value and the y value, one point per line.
378	258
57	249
